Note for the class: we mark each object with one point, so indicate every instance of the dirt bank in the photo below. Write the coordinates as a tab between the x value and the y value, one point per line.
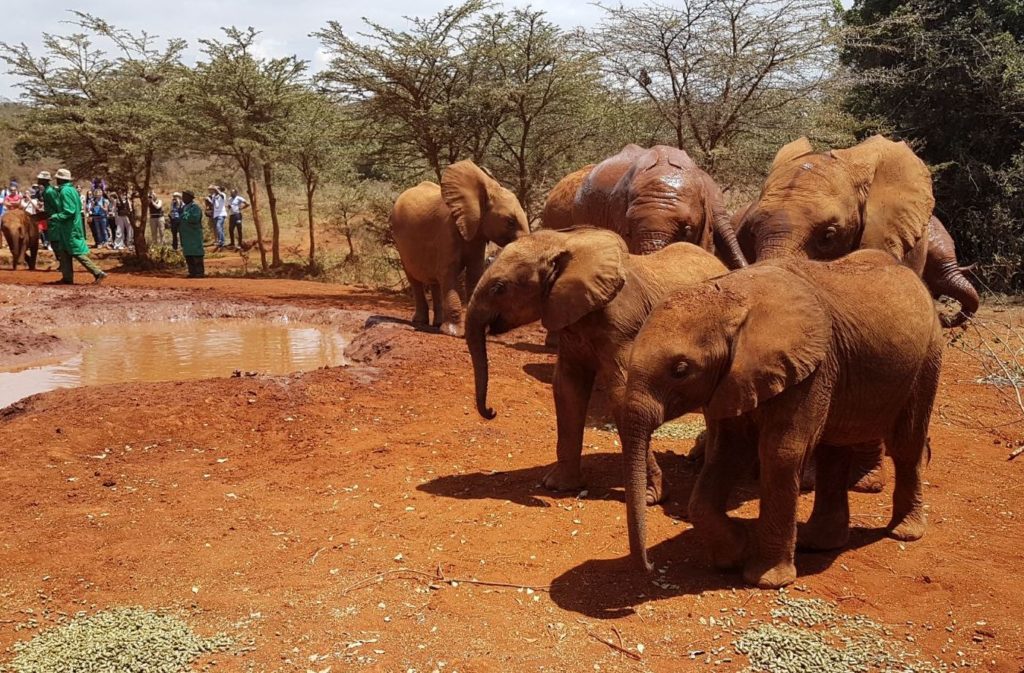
339	520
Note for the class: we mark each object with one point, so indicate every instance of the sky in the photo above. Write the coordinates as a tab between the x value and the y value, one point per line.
285	25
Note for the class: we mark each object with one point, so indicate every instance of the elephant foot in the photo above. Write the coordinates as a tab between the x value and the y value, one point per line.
768	575
696	454
909	529
451	328
871	482
729	548
420	318
655	489
822	535
563	478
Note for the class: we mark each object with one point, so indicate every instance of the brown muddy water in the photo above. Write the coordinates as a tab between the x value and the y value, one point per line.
176	351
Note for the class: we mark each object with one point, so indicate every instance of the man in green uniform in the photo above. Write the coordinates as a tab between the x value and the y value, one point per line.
67	230
191	232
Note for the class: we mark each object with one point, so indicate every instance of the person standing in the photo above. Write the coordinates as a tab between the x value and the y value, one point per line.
192	235
217	200
156	219
46	198
237	204
67	228
175	217
98	213
122	225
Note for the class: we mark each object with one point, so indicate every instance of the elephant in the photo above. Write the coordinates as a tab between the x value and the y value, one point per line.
877	194
442	230
583	283
22	235
945	277
557	213
650	197
784	357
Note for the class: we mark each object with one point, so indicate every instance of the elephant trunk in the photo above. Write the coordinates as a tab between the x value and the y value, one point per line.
725	241
648	242
638	422
476	339
955	284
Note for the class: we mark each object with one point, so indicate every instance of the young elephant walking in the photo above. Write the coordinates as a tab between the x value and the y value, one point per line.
442	230
584	283
783	357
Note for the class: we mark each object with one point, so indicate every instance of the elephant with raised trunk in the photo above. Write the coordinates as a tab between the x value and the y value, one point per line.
786	357
583	283
442	230
877	194
22	235
650	197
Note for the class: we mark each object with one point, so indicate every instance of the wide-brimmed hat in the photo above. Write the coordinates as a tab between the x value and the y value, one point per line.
43	175
213	187
188	192
63	174
178	194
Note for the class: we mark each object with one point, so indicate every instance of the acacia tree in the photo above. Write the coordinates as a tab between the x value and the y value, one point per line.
416	87
101	113
240	106
546	89
318	141
948	76
715	70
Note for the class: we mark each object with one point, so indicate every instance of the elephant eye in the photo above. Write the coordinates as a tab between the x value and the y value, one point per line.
680	369
498	287
830	232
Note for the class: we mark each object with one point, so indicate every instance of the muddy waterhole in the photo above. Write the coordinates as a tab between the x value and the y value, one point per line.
175	351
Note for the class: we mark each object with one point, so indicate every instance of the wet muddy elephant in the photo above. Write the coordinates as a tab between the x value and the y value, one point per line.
877	194
584	284
650	197
784	357
442	231
22	235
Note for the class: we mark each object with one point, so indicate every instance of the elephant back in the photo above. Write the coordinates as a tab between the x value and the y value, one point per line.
594	204
558	207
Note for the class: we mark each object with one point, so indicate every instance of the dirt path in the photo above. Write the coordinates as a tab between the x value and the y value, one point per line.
321	518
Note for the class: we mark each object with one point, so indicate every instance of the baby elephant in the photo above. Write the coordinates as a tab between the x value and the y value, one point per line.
584	283
784	356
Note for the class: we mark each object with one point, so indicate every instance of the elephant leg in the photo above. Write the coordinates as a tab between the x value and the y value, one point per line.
474	270
33	252
572	387
435	298
422	315
829	524
910	451
452	305
867	468
781	451
728	454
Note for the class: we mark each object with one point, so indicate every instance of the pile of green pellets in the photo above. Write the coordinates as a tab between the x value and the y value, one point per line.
120	640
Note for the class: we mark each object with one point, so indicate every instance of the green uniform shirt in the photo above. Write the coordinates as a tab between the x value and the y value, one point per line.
51	203
191	231
67	216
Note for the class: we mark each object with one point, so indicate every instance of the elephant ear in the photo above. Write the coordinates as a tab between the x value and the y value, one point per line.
780	334
797	148
896	189
586	274
465	189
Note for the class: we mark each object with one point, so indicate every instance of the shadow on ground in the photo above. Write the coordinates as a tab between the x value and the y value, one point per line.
614	588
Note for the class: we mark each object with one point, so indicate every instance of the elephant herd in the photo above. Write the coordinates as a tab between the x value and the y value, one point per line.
800	327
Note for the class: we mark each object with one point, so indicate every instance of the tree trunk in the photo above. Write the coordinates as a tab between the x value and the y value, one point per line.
141	244
310	188
250	188
348	237
275	242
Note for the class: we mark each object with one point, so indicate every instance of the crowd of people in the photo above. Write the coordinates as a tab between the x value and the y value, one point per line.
109	216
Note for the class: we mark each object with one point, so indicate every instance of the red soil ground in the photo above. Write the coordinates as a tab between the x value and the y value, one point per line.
283	510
